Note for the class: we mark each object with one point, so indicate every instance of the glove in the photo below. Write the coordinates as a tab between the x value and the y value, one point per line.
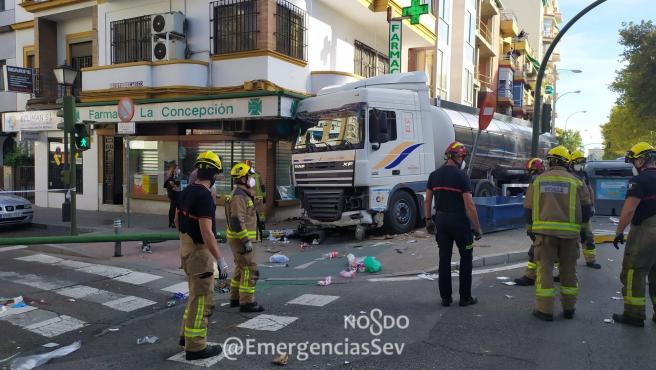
223	268
248	247
478	234
430	226
619	239
531	235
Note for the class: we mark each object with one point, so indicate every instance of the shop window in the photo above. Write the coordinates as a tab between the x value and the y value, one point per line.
2	5
233	26
284	188
131	40
291	30
369	62
56	160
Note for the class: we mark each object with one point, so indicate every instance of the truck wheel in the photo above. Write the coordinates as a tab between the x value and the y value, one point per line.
401	216
485	189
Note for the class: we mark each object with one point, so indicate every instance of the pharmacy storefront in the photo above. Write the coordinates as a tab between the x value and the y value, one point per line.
239	126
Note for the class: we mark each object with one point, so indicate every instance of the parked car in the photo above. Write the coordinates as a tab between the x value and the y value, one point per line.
15	209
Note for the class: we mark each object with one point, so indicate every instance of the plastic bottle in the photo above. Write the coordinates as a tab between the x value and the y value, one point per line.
278	258
351	260
330	255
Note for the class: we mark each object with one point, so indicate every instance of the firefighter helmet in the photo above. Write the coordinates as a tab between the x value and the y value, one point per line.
535	165
240	170
209	159
639	150
456	149
560	153
578	157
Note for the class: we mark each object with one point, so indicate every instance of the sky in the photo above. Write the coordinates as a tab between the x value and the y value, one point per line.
591	45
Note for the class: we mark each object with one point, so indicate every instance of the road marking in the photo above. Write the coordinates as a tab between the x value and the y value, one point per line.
56	326
106	271
12	248
207	362
40	258
129	303
16	311
78	291
267	322
305	265
34	281
74	264
475	272
316	300
182	287
137	278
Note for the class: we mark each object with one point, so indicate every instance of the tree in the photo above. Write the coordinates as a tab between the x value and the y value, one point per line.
570	139
625	128
635	82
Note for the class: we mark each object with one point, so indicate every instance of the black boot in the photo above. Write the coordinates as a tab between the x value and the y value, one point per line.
524	281
628	320
446	302
593	265
209	351
468	301
234	303
542	315
181	341
557	279
569	314
251	307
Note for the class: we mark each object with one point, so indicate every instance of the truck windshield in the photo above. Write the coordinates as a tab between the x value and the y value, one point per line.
330	130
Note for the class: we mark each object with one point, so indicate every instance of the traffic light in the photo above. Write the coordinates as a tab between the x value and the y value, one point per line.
82	139
546	118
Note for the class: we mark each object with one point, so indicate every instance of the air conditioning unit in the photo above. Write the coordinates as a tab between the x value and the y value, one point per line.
169	49
173	22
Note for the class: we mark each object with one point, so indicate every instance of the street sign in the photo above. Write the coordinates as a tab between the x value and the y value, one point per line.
414	11
17	79
487	110
395	45
125	128
125	109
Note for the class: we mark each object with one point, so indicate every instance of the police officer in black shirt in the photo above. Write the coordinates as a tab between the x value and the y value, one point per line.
455	220
198	251
639	261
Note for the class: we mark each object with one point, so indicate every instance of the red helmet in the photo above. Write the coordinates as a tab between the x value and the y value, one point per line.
456	149
535	165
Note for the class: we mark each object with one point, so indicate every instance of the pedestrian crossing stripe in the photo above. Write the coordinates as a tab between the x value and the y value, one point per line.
267	322
116	273
316	300
12	248
182	287
206	362
45	323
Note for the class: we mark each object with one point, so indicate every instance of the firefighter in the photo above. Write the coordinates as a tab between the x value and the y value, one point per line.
455	220
587	237
260	199
534	167
241	217
556	205
639	261
195	220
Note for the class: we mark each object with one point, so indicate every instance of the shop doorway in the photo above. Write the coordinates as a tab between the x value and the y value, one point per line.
112	170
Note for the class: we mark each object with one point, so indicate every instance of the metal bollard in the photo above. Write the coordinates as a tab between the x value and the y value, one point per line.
117	245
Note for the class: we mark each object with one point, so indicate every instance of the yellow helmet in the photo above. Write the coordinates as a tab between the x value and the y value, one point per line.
578	157
240	170
561	153
639	150
209	159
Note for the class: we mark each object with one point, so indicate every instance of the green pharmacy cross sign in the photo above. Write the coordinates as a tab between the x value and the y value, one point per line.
414	11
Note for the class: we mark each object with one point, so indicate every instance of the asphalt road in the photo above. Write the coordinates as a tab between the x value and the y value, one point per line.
498	333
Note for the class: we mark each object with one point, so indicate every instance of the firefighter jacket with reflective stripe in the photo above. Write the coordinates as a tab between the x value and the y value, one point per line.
555	202
241	215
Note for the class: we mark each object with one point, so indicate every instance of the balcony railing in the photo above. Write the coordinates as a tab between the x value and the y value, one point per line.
485	80
484	30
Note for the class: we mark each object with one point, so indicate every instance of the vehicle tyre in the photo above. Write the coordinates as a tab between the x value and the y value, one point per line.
401	215
485	188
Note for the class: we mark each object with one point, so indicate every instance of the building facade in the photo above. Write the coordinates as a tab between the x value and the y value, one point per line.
223	75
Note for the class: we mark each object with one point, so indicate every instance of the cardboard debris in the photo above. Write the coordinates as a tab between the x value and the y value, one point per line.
281	359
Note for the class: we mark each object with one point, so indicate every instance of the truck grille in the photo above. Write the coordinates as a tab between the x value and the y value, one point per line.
324	174
324	205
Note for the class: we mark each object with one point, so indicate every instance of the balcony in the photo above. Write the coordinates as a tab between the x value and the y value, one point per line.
33	6
485	81
489	8
484	41
549	36
508	61
520	75
522	46
509	25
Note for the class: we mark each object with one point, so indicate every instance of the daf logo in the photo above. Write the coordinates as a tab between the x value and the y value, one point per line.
347	164
299	166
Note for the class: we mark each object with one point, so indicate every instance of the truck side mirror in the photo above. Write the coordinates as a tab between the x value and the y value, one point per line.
374	125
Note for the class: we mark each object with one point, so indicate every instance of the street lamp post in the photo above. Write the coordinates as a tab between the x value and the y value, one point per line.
66	76
570	116
555	113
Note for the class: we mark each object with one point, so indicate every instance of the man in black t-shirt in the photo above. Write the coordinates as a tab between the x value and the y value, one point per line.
455	220
196	223
639	261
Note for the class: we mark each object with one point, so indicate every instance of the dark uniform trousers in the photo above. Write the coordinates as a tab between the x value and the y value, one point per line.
198	265
454	228
638	265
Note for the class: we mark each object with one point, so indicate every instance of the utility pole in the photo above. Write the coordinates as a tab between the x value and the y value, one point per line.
69	147
538	85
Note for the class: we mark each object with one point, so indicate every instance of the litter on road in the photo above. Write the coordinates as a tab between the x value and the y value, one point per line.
113	329
51	345
616	298
279	258
281	359
273	266
503	278
147	339
509	296
30	362
509	283
347	274
325	282
609	321
426	276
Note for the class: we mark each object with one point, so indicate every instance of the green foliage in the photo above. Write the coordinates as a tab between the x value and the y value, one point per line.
570	139
625	128
18	157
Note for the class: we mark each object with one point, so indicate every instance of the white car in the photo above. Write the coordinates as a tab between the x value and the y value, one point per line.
15	210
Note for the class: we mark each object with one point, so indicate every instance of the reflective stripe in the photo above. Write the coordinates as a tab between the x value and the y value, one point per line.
569	290
572	204
569	180
249	204
246	290
545	292
532	266
199	313
590	252
470	246
234	283
189	332
558	226
250	234
629	298
446	188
